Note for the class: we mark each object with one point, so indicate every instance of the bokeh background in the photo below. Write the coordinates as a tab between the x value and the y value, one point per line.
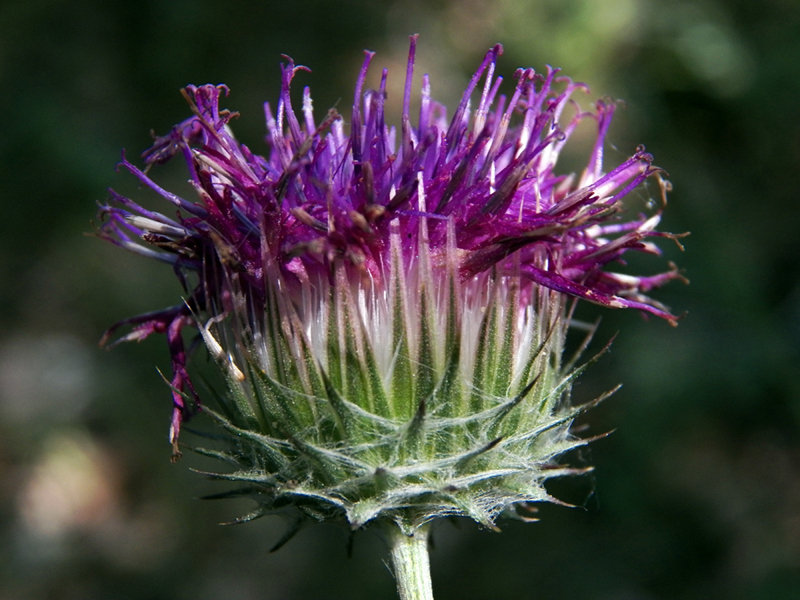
696	494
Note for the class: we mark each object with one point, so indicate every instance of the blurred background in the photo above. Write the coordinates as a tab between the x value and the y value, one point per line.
696	494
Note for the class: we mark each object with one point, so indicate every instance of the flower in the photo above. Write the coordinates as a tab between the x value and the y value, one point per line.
389	307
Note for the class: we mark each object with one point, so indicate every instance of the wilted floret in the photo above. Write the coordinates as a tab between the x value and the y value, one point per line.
390	307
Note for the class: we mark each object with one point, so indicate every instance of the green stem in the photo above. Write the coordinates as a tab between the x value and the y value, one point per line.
412	569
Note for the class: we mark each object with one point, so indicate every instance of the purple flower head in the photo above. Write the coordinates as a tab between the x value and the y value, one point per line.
351	254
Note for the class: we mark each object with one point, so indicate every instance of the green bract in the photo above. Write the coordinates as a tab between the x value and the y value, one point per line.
415	398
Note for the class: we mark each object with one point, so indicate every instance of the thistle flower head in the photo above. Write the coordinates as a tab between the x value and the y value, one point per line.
389	306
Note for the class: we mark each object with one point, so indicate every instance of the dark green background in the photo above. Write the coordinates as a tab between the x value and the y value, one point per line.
696	494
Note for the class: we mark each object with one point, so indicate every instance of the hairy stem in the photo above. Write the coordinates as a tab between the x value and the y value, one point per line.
412	569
